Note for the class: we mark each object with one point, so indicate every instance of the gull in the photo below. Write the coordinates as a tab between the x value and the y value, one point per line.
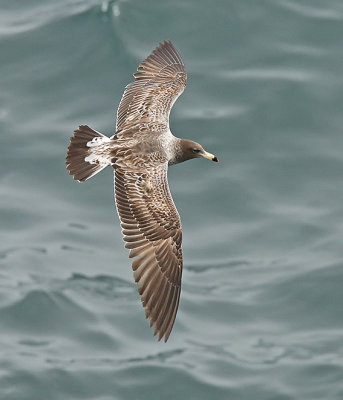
140	152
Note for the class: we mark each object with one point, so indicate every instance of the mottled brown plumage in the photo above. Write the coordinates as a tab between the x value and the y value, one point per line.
159	81
140	152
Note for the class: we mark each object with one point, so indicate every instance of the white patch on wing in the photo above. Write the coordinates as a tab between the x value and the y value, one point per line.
94	158
91	159
97	140
98	152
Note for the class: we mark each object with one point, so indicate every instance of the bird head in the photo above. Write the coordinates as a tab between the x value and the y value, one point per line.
192	149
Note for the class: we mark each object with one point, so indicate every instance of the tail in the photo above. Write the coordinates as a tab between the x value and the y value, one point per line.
88	153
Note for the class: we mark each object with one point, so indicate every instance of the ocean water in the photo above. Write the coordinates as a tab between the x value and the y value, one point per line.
260	315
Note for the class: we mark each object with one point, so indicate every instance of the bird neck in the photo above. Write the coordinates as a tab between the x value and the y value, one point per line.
179	153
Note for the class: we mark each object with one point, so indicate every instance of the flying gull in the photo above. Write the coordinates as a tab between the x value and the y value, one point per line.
140	152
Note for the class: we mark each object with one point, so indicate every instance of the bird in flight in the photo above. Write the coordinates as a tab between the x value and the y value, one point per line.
140	152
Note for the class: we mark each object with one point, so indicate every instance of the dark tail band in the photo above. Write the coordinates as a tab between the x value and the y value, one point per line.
86	156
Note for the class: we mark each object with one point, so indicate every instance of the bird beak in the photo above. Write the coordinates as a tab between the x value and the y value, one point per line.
209	156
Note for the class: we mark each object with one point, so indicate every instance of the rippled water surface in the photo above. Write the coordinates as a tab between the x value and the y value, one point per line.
260	315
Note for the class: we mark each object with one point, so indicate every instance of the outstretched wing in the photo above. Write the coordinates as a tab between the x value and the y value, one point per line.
152	230
160	79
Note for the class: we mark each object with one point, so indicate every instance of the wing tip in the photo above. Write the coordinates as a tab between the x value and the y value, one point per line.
164	54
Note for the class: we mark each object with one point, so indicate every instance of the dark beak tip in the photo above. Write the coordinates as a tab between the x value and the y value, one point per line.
215	159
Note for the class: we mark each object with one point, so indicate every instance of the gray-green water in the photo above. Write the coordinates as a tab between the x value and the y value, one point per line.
260	315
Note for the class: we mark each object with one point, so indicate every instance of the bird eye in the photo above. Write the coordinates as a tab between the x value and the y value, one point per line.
196	151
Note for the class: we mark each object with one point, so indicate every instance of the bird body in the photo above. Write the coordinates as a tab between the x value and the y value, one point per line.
140	152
